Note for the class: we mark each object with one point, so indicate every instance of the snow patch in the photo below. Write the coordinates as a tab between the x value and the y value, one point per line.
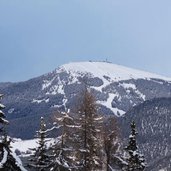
24	146
11	110
129	86
56	106
46	84
108	104
40	101
2	106
18	162
4	159
133	87
142	96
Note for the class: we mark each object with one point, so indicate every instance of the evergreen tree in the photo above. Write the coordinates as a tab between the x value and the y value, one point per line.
135	160
63	150
40	160
8	160
3	121
111	141
90	145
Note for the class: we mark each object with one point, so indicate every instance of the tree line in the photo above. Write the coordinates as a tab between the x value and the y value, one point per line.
84	141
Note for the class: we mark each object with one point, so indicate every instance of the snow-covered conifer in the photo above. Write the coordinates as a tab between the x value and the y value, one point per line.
111	142
40	160
8	159
3	121
90	145
135	160
64	148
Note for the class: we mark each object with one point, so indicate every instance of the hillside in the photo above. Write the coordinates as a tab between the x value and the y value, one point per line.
117	89
153	119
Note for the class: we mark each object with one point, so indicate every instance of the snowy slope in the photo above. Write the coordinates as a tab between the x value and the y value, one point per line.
115	72
105	72
25	146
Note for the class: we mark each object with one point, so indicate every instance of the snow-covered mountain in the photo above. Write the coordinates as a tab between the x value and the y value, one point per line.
124	92
117	89
115	82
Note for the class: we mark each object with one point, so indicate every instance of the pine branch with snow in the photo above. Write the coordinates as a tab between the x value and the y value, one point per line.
64	157
9	160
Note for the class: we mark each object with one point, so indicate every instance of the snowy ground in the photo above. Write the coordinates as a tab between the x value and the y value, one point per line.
23	147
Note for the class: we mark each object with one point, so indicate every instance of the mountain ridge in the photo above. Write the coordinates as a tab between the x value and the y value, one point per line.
134	70
115	92
108	68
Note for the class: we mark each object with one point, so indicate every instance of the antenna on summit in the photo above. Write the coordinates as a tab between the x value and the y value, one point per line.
107	61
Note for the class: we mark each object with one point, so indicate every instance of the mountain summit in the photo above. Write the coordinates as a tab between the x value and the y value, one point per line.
115	72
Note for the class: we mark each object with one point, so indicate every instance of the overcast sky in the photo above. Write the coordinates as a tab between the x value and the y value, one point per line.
37	36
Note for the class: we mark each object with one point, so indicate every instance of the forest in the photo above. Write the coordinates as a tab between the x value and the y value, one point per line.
84	140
